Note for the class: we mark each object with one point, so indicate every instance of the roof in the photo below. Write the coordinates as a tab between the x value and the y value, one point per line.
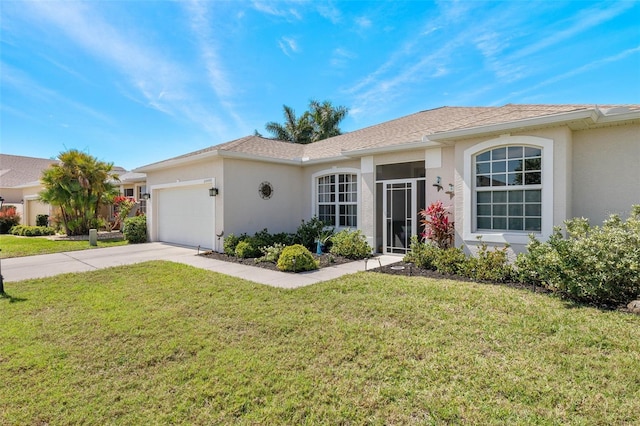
420	129
16	170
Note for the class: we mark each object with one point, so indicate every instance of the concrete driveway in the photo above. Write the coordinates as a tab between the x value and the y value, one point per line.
47	265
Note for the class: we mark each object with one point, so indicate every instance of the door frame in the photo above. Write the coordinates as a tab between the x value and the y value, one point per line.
414	208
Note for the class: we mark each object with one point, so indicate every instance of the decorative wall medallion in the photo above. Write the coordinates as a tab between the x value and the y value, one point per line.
265	190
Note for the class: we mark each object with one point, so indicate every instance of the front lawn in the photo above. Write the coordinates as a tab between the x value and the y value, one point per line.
13	246
164	343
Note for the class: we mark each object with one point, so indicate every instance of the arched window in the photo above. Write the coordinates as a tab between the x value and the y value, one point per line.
508	189
336	199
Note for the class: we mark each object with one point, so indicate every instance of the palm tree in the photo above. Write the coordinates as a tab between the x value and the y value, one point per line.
79	185
295	129
321	122
326	119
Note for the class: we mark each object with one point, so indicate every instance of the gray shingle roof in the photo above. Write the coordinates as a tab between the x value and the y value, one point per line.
403	130
16	170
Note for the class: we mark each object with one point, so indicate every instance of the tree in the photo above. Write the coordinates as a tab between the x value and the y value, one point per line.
321	122
79	185
295	129
326	119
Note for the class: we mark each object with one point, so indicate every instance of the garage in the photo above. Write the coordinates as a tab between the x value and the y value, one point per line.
185	215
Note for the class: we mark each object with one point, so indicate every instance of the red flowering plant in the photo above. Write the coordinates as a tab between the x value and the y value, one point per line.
123	206
437	226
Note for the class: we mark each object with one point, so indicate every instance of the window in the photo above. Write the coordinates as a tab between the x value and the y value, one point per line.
128	192
337	199
508	186
141	201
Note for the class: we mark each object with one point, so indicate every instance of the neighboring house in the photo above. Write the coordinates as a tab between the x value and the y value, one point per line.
20	185
507	172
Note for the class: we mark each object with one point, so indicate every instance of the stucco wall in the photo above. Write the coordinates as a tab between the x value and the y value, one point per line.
606	172
246	211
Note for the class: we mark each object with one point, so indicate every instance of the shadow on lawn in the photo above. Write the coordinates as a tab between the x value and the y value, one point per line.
11	298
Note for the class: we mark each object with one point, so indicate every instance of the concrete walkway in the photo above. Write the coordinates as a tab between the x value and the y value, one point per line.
46	265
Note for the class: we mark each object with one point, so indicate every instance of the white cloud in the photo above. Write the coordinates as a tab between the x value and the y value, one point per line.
363	22
288	45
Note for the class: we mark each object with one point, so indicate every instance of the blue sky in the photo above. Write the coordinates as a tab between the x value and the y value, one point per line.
134	82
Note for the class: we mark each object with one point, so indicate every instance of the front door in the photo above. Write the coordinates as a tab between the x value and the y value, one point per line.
402	200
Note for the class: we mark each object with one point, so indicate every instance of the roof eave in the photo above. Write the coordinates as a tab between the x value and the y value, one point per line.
176	162
247	156
590	115
425	143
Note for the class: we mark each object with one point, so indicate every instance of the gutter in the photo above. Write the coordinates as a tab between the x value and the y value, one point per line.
424	143
591	116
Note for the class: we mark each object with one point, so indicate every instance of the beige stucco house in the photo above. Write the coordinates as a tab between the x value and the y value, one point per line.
506	172
20	186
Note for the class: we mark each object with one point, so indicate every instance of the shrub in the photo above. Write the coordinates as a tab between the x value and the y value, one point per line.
135	229
437	227
296	258
244	249
599	265
450	261
350	244
271	253
308	232
42	220
32	231
230	243
8	218
422	254
488	265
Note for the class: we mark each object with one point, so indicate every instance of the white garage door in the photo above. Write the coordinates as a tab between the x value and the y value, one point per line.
185	216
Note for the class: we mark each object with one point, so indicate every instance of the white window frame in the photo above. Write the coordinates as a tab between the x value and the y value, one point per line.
314	194
469	231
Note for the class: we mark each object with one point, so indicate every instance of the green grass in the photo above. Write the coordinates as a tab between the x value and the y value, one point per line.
13	246
163	343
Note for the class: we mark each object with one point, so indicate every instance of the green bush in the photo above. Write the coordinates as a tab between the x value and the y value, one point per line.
8	219
488	265
230	243
450	261
271	253
598	265
135	229
350	244
32	231
244	249
422	254
308	233
296	258
42	220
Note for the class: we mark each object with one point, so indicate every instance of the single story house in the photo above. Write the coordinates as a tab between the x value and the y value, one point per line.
20	185
506	172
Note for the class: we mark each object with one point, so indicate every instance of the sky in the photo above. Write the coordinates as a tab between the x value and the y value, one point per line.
135	82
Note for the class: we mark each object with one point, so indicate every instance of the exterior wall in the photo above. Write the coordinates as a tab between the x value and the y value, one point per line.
11	195
606	172
246	211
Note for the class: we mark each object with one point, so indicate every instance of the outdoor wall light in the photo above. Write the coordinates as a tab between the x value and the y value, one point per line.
213	192
450	192
438	183
146	196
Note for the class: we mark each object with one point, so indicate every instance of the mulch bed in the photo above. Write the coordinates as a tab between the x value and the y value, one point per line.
399	268
325	260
